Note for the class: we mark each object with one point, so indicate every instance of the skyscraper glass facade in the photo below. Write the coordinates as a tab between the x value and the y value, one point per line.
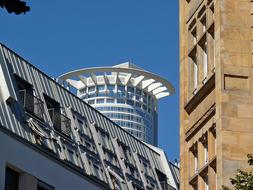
130	107
124	93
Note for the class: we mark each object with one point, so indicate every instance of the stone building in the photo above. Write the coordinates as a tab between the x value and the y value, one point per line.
216	103
52	140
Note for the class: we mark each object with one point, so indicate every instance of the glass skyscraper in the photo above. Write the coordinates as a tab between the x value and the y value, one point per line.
124	93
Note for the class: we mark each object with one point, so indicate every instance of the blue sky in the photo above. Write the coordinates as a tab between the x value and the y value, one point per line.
59	36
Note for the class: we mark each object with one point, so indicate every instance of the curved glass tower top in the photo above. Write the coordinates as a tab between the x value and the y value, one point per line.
124	93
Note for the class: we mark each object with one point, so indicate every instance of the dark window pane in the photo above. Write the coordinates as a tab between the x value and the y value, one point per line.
101	87
43	186
130	89
121	88
11	179
110	87
91	89
100	101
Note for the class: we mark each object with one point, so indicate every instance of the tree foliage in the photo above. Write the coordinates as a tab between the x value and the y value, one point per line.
15	6
243	180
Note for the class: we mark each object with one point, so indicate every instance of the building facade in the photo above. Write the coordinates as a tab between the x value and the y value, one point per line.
216	118
126	94
53	140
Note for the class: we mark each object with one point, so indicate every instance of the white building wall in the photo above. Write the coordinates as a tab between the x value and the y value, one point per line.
25	158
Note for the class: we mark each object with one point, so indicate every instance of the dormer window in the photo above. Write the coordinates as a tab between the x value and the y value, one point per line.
60	122
32	104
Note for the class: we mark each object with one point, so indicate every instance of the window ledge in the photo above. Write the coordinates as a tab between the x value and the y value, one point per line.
212	163
200	94
193	179
203	170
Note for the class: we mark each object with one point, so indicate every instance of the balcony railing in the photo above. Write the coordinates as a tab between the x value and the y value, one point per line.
61	123
32	104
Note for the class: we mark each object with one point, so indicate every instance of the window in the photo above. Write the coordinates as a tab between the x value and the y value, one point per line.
96	170
203	57
121	101
206	182
110	94
43	186
192	38
110	100
195	73
121	88
101	87
126	152
138	104
149	99
134	172
111	158
90	146
193	65
144	96
100	101
130	95
101	93
206	152
211	42
92	94
11	179
61	123
130	89
79	162
138	92
203	23
130	102
121	91
91	89
71	156
195	162
105	140
52	106
204	142
32	104
80	123
23	85
194	159
111	87
145	167
137	97
82	91
205	64
201	47
83	127
91	102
